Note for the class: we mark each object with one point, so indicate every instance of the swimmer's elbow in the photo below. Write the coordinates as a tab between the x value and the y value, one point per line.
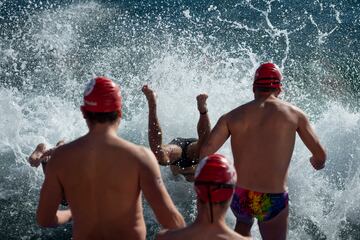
176	221
205	150
179	221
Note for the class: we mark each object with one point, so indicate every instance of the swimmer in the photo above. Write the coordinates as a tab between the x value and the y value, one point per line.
263	135
215	181
103	176
181	154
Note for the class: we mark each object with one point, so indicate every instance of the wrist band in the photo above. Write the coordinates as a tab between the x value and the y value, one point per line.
203	113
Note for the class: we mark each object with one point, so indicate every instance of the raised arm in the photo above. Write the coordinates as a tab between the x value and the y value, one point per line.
203	125
51	195
311	141
219	134
156	194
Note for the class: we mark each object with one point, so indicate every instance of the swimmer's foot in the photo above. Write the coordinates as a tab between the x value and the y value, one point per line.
150	95
201	103
36	157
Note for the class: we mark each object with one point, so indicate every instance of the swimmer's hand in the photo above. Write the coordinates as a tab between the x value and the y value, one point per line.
48	153
201	103
63	216
41	154
36	157
316	163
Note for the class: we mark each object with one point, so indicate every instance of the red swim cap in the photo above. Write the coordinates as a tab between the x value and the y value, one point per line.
215	179
102	95
268	75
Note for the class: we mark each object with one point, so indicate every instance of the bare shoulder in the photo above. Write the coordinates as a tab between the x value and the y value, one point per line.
68	148
299	113
237	115
62	149
286	104
61	154
140	153
291	107
241	108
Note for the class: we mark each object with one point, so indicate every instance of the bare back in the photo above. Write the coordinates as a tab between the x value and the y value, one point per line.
262	140
101	178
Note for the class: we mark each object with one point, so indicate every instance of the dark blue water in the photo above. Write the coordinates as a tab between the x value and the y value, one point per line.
49	49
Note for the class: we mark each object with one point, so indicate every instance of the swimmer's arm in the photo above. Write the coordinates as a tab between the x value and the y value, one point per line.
312	142
51	195
156	194
217	138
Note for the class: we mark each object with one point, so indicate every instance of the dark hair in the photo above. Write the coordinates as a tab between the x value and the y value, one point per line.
101	117
265	89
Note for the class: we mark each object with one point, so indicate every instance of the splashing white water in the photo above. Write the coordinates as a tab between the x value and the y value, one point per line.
45	105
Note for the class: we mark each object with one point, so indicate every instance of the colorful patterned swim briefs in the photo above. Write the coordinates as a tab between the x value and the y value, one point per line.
247	204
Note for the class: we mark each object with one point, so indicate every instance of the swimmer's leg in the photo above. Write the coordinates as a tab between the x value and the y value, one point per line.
203	127
243	229
275	228
162	152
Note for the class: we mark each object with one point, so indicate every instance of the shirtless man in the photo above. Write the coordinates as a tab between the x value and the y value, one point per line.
102	177
215	181
182	154
262	140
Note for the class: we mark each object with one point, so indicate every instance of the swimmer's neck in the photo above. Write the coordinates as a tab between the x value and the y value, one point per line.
265	95
203	218
103	128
